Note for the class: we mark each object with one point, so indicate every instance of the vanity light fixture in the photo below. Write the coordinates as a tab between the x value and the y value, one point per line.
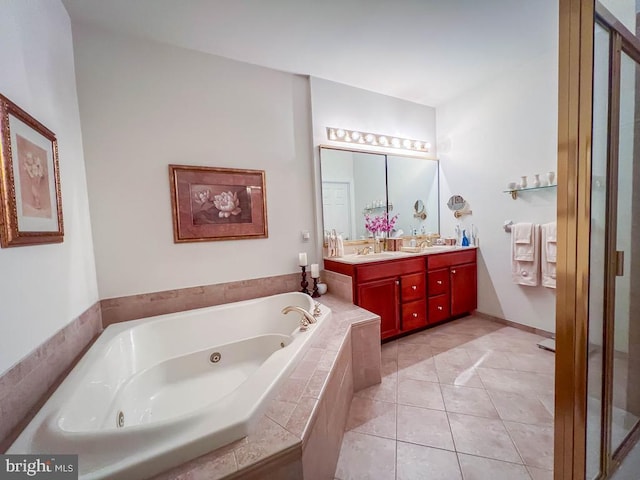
356	136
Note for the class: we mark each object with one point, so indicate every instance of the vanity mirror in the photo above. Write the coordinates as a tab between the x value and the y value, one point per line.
458	205
356	183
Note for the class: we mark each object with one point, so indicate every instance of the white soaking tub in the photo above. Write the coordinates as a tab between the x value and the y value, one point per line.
151	394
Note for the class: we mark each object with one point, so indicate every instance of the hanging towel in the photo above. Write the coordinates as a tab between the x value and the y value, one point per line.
523	241
525	272
548	258
550	245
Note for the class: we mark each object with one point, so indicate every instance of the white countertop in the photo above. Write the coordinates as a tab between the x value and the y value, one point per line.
354	258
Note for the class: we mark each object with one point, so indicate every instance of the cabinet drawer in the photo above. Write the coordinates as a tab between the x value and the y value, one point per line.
413	287
388	268
440	260
438	281
414	315
439	308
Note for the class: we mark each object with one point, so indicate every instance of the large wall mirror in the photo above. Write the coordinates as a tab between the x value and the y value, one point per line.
356	183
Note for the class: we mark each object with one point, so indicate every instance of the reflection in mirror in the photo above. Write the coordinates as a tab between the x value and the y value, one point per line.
353	183
410	178
419	210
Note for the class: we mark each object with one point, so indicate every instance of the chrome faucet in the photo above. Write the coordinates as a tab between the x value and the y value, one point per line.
305	317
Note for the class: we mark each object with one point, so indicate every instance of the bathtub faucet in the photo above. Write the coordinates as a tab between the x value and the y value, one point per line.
305	317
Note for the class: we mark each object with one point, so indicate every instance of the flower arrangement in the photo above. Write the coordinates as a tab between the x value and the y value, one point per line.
380	223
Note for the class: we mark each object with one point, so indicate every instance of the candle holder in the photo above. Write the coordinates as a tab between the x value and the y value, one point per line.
315	293
304	284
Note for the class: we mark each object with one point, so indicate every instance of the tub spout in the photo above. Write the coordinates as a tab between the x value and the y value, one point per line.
305	317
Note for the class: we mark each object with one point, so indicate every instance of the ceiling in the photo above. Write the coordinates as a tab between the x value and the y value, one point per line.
425	51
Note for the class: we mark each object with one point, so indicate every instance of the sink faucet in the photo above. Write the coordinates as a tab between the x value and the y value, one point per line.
426	243
364	251
305	317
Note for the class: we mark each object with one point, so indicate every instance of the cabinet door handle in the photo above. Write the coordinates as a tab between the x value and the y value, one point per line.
415	315
397	282
453	271
439	307
413	287
439	282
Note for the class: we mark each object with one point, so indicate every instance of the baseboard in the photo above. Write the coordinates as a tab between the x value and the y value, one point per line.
519	326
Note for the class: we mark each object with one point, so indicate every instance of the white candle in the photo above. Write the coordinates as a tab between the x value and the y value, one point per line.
315	271
302	259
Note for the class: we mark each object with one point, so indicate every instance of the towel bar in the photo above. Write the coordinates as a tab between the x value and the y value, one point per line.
507	225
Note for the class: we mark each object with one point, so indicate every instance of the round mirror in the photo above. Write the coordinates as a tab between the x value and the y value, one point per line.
456	202
419	210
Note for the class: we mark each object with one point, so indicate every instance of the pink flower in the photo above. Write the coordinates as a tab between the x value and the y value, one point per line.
380	223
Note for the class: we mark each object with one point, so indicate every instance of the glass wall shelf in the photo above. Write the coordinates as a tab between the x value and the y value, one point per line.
380	209
514	193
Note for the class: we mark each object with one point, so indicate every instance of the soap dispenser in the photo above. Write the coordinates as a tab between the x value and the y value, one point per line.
465	240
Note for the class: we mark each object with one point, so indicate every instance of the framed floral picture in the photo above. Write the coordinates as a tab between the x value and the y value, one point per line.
30	200
217	203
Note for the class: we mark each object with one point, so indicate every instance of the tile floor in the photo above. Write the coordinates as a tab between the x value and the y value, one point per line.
471	399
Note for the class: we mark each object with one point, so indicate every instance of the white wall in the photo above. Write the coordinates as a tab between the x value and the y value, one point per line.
342	106
487	137
43	288
145	105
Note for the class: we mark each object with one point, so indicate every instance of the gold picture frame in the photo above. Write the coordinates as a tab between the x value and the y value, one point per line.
212	204
30	198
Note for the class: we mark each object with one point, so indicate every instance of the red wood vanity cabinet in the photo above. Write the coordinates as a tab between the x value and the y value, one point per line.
411	293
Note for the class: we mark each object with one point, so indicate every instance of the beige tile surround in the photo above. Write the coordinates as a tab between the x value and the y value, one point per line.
27	385
306	417
144	305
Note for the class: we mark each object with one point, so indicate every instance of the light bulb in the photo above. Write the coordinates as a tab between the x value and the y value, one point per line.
406	143
427	146
417	145
369	138
395	142
340	133
332	134
382	140
347	137
356	136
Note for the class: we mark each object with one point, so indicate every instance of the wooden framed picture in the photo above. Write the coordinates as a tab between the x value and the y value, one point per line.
217	203
30	200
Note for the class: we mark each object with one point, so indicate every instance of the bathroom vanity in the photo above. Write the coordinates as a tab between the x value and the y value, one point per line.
412	291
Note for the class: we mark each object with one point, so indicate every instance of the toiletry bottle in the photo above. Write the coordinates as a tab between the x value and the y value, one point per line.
472	240
465	240
458	238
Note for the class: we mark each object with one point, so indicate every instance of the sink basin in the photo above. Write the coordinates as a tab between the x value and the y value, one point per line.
355	258
438	248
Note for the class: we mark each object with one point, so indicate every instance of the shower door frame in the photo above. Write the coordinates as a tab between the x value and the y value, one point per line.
575	122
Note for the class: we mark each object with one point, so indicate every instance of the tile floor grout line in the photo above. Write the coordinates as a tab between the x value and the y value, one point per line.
433	353
514	444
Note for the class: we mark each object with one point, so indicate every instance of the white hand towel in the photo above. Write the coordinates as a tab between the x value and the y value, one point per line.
526	272
550	244
548	257
523	241
340	246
